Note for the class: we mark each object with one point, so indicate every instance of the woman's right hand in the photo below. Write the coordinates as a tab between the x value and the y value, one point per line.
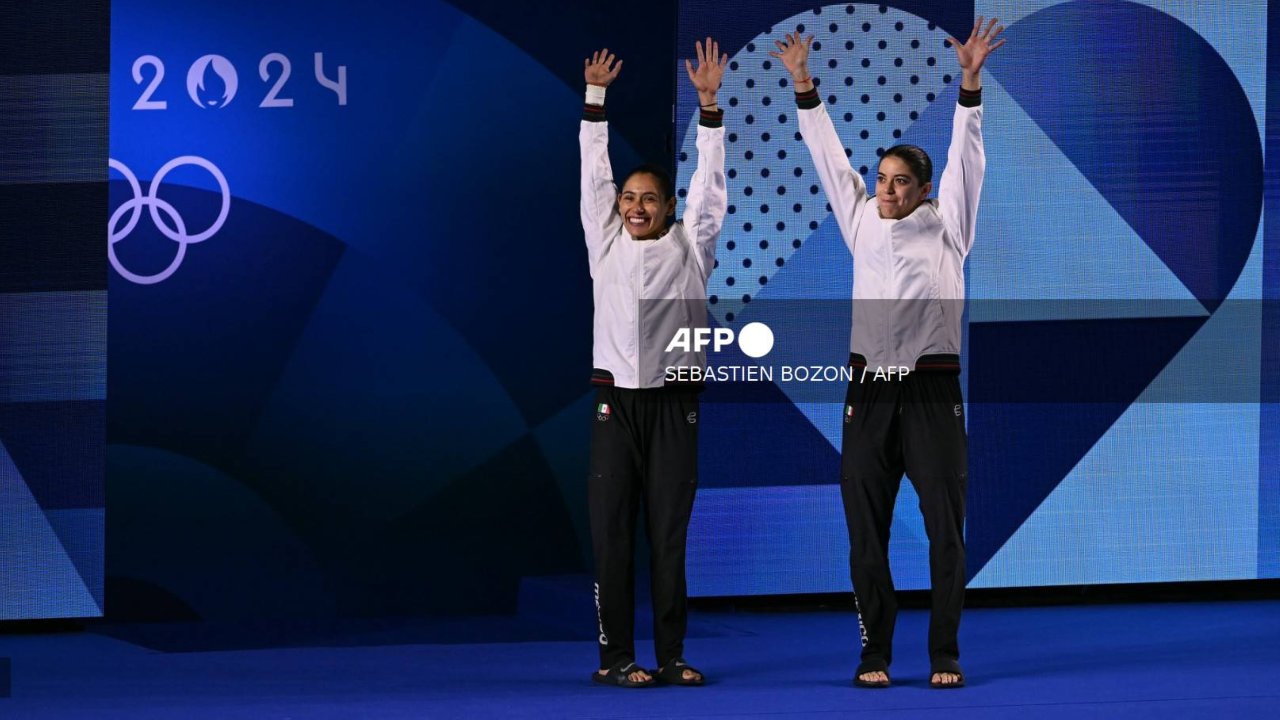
794	54
600	69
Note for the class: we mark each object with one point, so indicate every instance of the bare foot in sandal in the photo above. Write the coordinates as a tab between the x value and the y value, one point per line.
679	672
876	677
945	679
628	675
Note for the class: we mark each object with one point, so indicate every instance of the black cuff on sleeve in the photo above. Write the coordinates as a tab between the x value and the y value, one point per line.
711	118
970	98
593	113
808	99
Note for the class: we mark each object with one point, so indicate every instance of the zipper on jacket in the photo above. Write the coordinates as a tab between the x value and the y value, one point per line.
891	292
637	287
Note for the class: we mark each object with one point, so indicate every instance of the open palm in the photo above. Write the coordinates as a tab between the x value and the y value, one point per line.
794	54
601	68
706	78
982	42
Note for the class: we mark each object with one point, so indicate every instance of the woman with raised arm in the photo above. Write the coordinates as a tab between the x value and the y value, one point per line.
644	435
908	292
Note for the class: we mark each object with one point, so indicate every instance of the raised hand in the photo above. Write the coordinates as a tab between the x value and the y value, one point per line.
972	54
711	64
600	69
794	54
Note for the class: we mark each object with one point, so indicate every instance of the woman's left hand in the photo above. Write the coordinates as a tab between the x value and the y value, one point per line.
981	43
711	65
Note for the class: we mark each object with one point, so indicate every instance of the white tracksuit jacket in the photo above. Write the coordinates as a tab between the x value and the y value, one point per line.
908	275
631	334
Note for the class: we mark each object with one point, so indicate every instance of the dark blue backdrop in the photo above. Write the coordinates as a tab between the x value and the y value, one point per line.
363	393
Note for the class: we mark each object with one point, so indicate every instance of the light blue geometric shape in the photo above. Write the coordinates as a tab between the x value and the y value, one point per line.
1160	498
37	578
1237	29
1170	493
825	418
1046	234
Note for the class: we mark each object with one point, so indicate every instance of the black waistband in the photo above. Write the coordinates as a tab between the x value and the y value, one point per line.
604	378
945	363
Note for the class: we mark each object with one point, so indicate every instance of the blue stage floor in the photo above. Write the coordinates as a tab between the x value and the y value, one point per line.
1181	660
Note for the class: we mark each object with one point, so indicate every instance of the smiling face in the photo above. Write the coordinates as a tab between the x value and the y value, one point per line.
898	192
643	206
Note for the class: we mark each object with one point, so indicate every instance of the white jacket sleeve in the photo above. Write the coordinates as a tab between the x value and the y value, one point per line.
598	206
962	178
708	198
844	187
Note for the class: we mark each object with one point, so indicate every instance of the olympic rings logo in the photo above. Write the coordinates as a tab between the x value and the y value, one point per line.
176	232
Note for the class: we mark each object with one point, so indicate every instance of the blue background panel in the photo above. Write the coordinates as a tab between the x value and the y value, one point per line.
53	309
1125	171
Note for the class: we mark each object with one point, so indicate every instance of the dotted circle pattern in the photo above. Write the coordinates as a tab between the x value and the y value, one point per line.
878	69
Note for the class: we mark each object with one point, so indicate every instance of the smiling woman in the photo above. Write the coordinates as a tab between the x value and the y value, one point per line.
644	437
647	200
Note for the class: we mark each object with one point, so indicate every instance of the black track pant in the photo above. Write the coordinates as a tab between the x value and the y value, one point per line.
914	425
644	449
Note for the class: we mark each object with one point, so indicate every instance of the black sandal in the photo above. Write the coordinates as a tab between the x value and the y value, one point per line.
673	674
867	667
947	666
620	676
